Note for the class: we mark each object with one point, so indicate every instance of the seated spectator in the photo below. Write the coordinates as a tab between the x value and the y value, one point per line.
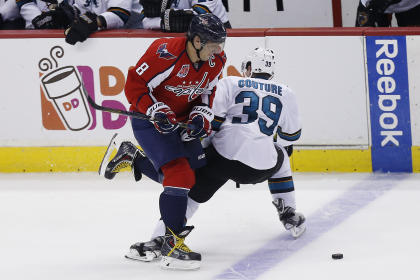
94	15
175	16
378	13
9	15
18	14
80	18
46	14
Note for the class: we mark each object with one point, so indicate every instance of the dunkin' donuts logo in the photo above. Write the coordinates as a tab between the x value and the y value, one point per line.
62	89
63	104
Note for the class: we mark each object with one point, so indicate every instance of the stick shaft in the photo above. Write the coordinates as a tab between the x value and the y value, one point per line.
135	115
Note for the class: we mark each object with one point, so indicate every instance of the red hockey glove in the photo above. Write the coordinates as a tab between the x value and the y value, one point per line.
163	117
200	118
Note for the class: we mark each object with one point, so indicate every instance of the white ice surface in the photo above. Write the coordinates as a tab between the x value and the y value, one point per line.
79	226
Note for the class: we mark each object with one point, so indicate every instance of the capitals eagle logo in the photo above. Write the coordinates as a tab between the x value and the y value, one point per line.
164	53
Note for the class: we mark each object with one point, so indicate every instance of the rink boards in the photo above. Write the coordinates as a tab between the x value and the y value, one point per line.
358	92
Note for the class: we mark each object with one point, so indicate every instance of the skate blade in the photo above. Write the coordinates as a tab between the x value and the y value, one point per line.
150	256
175	264
298	231
112	146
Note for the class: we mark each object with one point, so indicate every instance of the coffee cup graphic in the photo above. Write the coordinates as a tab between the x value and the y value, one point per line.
63	87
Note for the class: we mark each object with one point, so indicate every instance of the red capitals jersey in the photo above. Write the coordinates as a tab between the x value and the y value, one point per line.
165	73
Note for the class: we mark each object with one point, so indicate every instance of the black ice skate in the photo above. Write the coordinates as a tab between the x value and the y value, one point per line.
292	221
146	251
177	255
124	157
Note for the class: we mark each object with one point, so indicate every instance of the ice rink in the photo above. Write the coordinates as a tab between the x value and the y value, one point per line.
79	226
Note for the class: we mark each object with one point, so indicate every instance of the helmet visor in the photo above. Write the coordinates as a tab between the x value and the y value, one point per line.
214	48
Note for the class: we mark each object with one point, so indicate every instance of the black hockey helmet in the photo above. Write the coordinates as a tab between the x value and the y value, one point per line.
208	27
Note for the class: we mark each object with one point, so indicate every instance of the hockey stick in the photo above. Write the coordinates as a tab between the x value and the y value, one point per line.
135	115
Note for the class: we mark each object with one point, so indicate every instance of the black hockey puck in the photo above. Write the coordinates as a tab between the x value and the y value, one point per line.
337	256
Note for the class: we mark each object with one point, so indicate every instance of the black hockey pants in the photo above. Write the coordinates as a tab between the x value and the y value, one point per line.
219	170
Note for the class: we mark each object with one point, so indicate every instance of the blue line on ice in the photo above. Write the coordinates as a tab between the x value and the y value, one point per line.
328	217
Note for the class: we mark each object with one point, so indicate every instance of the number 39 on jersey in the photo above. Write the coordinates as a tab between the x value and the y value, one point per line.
270	108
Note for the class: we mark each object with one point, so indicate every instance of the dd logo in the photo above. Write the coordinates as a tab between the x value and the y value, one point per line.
74	103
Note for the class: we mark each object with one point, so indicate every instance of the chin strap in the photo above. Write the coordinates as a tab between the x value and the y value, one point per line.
197	51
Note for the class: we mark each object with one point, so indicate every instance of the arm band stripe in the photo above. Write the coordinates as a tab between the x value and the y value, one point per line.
289	137
20	3
217	122
121	13
281	185
201	9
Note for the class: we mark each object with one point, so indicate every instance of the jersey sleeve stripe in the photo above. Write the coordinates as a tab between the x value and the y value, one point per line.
160	78
281	185
20	3
142	16
163	75
201	9
217	122
289	137
121	13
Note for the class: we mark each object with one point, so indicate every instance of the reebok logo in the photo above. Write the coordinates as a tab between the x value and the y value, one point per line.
389	103
386	85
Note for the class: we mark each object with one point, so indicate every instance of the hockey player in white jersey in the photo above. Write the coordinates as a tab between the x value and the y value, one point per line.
248	113
176	15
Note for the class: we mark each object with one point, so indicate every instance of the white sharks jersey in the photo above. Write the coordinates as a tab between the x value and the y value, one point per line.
29	9
115	12
9	10
248	113
215	7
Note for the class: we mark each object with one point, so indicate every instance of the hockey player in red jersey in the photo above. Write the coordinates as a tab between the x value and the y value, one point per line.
241	149
174	81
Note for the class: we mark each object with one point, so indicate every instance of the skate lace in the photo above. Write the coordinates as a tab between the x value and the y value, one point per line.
126	155
179	244
121	165
185	248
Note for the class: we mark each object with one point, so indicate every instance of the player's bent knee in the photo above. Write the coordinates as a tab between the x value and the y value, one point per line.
178	173
200	197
